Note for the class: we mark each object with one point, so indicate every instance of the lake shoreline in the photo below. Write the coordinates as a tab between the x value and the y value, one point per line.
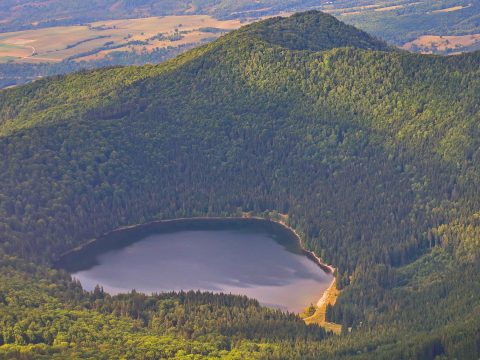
176	224
310	254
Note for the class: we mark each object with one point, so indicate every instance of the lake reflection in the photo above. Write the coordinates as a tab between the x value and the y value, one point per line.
244	262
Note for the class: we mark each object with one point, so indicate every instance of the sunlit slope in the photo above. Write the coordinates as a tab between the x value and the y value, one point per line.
383	116
372	153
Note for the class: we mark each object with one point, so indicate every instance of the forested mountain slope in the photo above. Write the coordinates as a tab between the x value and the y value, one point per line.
373	154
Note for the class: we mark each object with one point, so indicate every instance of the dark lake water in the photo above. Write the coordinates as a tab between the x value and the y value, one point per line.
251	261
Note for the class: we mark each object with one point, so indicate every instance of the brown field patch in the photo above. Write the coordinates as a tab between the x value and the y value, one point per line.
355	10
352	13
427	44
450	9
388	8
58	43
11	51
358	10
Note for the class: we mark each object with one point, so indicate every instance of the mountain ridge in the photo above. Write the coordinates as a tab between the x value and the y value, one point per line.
373	155
314	31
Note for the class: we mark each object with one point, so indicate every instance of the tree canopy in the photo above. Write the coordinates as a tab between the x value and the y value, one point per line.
373	154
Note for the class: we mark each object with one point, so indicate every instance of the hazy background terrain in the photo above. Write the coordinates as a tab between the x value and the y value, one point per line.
47	37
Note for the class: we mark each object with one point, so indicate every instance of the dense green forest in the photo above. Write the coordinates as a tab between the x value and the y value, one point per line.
372	152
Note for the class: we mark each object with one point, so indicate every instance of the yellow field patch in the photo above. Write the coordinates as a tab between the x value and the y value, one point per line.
379	7
388	8
450	9
355	10
428	43
57	43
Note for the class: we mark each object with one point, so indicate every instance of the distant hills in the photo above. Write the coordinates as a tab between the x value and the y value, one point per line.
393	20
151	35
372	152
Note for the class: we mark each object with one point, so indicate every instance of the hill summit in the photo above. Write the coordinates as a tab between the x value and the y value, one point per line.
372	156
313	30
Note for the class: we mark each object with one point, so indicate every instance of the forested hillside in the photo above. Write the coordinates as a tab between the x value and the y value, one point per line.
373	153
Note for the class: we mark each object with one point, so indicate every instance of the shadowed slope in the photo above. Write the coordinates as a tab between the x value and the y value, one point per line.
374	156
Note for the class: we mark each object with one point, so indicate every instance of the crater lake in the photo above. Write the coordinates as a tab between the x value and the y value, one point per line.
260	259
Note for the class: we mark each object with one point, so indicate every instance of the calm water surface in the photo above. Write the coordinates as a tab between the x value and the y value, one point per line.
244	262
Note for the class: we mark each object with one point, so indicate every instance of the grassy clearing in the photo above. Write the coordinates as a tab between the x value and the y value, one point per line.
429	44
329	298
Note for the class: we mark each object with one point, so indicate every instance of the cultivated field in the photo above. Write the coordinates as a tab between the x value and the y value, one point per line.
366	9
14	51
451	9
98	39
429	44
